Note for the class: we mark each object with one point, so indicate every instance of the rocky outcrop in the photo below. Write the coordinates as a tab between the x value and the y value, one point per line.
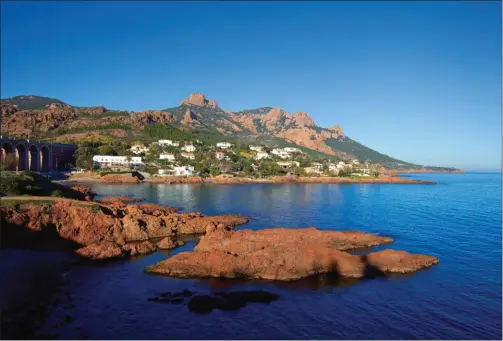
120	178
302	119
20	123
118	200
98	110
169	243
102	229
337	130
84	192
287	254
150	117
200	100
190	118
8	110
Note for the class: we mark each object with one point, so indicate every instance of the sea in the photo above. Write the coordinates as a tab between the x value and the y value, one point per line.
458	220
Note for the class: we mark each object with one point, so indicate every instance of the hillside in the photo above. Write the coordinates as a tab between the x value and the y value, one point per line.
31	102
195	118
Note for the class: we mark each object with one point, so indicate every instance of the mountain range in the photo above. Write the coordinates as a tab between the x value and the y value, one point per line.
196	116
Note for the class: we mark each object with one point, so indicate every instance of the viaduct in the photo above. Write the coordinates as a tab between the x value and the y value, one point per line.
21	155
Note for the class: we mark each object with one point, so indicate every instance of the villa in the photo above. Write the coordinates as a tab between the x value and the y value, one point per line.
189	156
261	155
292	150
224	145
281	153
288	164
138	149
168	143
169	156
177	171
257	148
116	161
220	155
188	148
313	171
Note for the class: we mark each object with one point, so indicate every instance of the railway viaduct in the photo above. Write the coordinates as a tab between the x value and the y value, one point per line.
18	154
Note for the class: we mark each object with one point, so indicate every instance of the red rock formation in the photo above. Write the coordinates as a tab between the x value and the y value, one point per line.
20	123
98	110
200	100
281	255
98	251
169	243
337	130
190	118
302	119
87	193
151	116
120	178
213	104
8	110
115	226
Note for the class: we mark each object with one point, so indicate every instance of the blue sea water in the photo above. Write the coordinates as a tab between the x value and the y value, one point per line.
458	220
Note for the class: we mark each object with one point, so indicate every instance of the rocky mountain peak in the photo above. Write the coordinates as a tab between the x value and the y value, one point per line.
337	129
302	119
198	99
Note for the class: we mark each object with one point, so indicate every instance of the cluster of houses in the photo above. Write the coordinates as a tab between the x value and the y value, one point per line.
126	162
258	153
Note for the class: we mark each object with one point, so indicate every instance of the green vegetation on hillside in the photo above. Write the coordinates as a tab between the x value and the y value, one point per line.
30	102
364	153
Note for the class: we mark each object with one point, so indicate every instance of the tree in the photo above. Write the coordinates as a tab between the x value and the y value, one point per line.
9	161
84	156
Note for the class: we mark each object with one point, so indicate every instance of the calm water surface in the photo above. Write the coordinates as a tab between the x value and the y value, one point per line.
458	220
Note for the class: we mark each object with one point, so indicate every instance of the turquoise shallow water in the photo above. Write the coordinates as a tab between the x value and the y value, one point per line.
457	220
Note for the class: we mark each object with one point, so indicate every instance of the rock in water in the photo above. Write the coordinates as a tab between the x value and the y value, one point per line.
288	254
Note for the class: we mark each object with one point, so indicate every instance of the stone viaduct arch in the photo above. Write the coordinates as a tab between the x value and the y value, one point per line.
22	155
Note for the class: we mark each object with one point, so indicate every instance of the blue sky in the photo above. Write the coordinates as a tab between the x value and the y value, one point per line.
420	81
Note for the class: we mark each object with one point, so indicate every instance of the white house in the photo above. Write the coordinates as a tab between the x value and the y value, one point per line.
257	148
261	155
138	149
292	150
189	156
281	153
189	148
168	156
288	164
177	171
224	145
220	155
313	170
168	143
355	162
317	165
332	167
116	161
184	171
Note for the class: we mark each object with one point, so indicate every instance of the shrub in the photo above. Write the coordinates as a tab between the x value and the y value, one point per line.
57	193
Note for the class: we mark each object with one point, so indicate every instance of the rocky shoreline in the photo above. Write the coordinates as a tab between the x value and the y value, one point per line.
106	229
113	228
129	179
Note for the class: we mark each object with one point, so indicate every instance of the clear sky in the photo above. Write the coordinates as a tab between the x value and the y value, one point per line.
420	81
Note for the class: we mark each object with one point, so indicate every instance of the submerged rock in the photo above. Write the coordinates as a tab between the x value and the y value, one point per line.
229	300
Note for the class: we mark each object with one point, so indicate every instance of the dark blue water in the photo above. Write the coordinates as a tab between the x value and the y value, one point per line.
458	220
